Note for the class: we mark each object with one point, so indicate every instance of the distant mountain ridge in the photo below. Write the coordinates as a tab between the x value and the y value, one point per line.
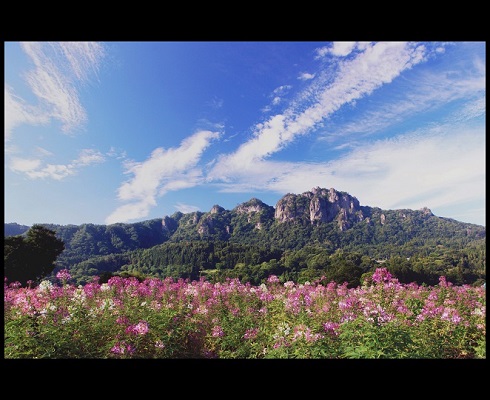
13	228
315	207
322	217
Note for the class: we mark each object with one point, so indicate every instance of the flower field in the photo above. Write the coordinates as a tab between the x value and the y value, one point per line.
154	318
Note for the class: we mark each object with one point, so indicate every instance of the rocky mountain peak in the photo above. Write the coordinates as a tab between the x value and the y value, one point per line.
216	209
319	206
252	206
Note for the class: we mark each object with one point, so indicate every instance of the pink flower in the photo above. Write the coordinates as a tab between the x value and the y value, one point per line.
141	328
63	275
122	320
381	275
331	327
443	282
217	331
251	333
122	348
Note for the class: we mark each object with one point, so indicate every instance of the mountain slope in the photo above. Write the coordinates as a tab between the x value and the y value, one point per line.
326	218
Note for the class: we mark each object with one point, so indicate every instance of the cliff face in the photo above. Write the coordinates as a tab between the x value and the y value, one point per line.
319	206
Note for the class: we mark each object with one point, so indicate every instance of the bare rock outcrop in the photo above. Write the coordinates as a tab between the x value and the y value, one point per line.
319	206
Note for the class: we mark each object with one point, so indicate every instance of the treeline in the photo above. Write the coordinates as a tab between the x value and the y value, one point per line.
217	261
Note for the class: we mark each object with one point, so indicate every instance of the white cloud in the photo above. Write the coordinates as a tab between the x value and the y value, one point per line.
131	211
322	51
164	170
58	68
306	76
116	153
89	156
433	168
277	97
276	100
472	109
83	57
342	49
24	165
43	152
281	90
17	112
35	169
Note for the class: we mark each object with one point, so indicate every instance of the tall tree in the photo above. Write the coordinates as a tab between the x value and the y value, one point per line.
32	257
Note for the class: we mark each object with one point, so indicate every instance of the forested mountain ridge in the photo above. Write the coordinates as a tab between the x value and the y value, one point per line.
325	221
13	228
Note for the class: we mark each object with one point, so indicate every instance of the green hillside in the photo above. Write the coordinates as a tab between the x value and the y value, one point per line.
321	234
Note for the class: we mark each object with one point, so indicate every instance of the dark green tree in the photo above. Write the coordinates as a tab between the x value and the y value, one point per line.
32	257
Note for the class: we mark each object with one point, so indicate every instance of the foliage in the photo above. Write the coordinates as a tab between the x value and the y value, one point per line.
32	257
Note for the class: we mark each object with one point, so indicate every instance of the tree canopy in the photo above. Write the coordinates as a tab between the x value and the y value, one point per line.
31	257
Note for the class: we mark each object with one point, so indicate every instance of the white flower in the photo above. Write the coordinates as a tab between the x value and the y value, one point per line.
45	286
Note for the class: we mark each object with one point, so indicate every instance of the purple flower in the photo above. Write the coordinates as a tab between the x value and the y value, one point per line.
331	327
122	320
217	331
63	275
381	275
122	348
141	328
251	333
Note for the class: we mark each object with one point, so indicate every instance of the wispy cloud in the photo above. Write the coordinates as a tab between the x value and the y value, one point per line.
165	170
88	157
216	103
277	96
18	112
428	92
59	68
472	109
186	208
35	168
375	66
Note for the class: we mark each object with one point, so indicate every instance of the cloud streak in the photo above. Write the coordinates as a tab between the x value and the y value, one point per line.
18	112
430	91
36	169
165	170
59	68
375	66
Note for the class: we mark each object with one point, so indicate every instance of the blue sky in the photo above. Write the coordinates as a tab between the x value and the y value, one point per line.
107	132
